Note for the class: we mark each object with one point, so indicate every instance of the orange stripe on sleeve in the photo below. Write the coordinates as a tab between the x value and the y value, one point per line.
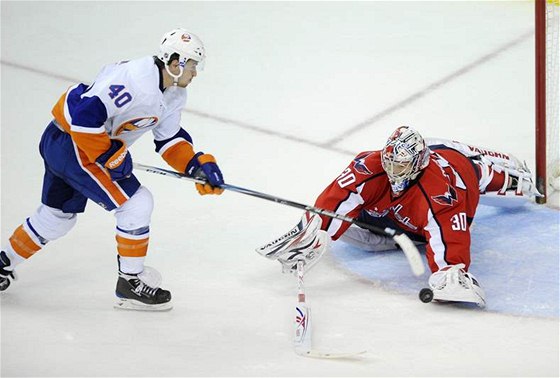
92	145
132	248
206	158
178	156
22	243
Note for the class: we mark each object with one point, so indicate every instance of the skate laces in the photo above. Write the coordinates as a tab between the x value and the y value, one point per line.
449	275
142	288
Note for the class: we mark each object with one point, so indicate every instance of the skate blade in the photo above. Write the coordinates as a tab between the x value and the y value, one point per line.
134	305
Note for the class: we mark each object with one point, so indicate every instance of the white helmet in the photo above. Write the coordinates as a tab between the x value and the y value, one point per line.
404	156
185	44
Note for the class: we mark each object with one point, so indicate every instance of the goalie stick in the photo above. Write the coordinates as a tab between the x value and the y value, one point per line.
407	246
302	326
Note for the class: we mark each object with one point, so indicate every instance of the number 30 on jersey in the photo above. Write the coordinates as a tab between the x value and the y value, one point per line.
346	178
459	222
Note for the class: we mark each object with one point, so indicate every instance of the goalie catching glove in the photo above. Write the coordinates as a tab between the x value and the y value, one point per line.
203	166
305	242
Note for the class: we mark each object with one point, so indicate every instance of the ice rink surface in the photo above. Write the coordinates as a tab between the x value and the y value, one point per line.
290	93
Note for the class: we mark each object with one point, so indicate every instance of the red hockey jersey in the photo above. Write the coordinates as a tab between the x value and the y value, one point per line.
439	206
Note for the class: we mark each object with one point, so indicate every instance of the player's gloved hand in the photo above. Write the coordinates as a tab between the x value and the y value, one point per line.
204	166
117	160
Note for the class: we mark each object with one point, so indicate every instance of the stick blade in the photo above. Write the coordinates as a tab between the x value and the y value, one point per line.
310	353
302	327
411	252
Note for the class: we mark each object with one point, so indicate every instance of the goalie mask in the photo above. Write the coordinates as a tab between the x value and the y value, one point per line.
404	156
186	45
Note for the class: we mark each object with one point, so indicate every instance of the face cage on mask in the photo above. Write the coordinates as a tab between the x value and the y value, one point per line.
401	180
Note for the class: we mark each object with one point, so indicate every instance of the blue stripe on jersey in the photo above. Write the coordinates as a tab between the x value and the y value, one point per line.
85	111
138	231
180	134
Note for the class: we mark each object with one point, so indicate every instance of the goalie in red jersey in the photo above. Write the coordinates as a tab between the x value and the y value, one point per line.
428	189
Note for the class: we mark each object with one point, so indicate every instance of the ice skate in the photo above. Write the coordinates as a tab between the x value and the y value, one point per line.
6	275
136	292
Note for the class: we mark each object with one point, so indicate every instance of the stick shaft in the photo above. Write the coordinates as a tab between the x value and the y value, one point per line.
165	172
409	249
301	288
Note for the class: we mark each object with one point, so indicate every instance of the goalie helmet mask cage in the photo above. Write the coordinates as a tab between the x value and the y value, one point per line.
186	45
404	156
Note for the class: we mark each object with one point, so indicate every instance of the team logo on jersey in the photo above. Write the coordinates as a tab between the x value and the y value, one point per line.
360	165
135	124
405	220
402	218
448	198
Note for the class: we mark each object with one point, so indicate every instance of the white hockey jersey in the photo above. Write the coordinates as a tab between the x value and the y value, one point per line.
124	102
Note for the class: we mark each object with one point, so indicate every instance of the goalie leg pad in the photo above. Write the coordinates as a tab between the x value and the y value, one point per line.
505	177
452	283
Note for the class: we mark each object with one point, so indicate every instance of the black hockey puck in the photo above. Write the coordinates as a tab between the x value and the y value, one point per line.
426	295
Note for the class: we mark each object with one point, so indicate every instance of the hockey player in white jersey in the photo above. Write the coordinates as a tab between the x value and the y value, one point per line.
85	152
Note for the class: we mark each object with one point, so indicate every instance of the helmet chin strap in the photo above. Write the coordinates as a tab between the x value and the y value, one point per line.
175	77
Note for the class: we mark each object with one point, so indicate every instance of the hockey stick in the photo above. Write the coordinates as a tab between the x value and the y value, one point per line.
302	326
407	246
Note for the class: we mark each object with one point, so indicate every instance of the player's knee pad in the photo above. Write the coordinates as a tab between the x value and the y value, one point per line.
137	211
50	223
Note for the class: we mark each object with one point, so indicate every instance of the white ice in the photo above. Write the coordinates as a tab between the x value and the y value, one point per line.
284	84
